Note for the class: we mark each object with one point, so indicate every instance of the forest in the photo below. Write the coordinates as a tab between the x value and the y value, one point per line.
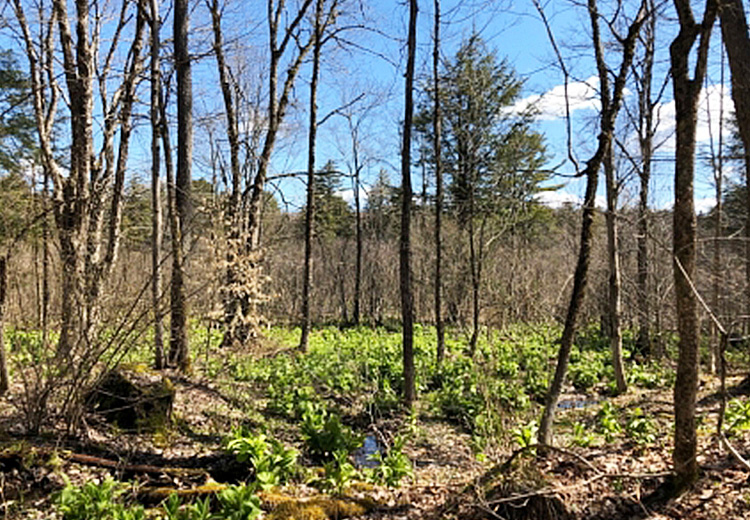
463	259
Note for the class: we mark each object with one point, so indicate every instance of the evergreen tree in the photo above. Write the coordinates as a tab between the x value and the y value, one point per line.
17	126
489	150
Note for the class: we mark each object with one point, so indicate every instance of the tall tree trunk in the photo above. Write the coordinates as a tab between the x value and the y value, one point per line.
73	215
156	213
686	94
310	209
4	378
611	102
475	285
358	233
645	139
734	31
717	160
45	260
278	101
437	131
178	348
235	328
615	284
407	296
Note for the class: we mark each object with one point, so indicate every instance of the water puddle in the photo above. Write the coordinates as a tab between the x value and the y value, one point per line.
370	447
576	404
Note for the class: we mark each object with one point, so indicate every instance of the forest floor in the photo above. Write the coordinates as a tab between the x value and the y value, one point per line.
604	471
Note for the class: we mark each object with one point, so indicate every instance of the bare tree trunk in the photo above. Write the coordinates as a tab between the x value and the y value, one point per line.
475	285
437	131
615	284
734	30
407	296
310	209
686	94
156	213
645	140
178	348
611	102
717	160
358	232
72	217
4	378
45	261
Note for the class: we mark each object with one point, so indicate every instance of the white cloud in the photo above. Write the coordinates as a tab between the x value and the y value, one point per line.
704	205
551	105
558	199
347	195
709	110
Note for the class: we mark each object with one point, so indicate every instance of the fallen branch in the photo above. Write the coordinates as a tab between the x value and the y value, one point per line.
146	469
736	454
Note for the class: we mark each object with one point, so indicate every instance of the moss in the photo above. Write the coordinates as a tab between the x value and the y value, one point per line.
272	500
295	510
155	495
315	508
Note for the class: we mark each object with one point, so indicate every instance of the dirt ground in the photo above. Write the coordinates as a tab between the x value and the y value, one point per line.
614	480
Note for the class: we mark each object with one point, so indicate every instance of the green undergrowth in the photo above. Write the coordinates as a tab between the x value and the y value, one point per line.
357	372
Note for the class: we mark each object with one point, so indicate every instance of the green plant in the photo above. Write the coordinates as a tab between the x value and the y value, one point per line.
96	501
640	428
525	435
238	503
274	463
581	436
737	415
608	423
200	510
392	467
325	435
339	473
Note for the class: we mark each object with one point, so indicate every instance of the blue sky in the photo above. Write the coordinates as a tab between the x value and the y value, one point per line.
374	67
517	33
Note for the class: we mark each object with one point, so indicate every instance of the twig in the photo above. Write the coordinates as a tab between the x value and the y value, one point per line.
725	442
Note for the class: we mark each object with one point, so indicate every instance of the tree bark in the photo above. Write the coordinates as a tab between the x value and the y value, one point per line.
235	326
278	101
717	163
437	131
156	212
307	281
734	30
686	93
4	377
615	284
645	140
357	315
407	296
179	343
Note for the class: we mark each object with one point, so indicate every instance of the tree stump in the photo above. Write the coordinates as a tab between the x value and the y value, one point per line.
134	399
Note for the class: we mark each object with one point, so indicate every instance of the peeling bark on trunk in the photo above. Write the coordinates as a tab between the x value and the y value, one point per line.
278	41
